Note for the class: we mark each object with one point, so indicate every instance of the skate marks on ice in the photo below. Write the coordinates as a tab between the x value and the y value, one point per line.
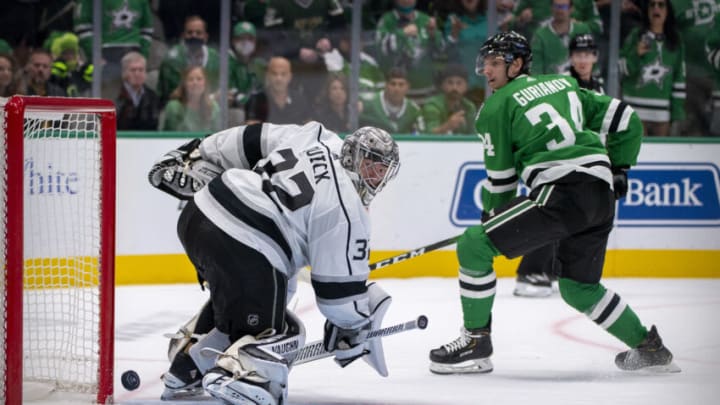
546	353
296	400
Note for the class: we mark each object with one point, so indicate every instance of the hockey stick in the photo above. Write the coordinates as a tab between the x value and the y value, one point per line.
315	350
413	253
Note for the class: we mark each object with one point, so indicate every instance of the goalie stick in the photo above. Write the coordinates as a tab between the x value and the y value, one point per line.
413	253
315	350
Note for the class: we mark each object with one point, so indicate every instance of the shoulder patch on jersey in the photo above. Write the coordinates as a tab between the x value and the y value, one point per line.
487	144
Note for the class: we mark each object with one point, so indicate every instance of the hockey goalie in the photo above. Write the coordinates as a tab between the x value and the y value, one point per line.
264	201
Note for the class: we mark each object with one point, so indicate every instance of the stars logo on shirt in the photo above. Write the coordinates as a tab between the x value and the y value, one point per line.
654	73
123	17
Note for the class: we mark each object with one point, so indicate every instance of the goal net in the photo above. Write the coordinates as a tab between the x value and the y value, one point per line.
57	213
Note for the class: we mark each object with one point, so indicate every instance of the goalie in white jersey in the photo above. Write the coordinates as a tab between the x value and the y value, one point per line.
289	196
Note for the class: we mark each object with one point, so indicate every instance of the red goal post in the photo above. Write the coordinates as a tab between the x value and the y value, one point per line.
57	246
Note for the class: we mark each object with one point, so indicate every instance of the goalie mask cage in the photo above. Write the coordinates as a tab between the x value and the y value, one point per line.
57	247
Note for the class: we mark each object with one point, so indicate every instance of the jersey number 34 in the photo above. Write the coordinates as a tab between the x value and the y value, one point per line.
535	116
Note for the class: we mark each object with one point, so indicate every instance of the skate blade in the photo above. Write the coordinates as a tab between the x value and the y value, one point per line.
467	367
232	397
170	394
663	369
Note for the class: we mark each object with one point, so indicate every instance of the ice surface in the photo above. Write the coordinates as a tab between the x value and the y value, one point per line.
545	352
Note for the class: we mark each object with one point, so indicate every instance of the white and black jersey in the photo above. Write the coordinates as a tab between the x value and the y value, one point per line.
286	195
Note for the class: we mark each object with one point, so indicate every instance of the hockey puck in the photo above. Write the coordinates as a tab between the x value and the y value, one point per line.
422	322
130	380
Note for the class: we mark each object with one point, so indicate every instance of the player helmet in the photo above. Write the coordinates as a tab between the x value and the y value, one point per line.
372	157
508	45
583	42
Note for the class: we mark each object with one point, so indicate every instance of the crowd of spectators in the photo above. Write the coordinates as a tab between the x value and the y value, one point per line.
289	60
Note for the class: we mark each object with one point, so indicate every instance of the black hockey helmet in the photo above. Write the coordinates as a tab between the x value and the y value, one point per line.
583	42
509	45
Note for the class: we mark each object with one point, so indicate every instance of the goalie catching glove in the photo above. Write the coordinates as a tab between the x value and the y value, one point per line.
349	345
182	172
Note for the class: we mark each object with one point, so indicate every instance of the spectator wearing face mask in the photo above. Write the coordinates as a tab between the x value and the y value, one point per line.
247	68
191	51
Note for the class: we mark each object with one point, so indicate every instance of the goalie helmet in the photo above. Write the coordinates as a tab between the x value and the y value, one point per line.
508	45
372	158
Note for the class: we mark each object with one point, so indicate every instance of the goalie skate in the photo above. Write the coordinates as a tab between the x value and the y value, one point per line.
251	372
470	353
237	392
650	356
182	380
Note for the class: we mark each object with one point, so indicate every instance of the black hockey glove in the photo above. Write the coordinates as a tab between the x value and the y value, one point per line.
347	345
182	172
620	181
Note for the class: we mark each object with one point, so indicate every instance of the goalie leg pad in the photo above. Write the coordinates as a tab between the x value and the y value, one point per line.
379	304
189	333
205	359
184	377
251	372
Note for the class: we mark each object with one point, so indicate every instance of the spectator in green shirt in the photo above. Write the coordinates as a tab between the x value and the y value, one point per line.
529	15
191	51
391	110
190	107
450	113
464	30
409	38
712	49
249	65
551	40
5	47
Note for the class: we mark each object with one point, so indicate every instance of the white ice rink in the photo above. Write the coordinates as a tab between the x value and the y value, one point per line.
545	352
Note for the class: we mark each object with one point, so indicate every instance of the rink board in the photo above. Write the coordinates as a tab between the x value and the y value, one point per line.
669	226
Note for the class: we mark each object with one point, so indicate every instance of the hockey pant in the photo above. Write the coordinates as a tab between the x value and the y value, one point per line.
542	260
248	295
576	213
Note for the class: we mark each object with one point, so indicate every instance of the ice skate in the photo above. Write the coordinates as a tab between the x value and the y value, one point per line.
182	380
651	355
470	353
249	372
221	385
533	285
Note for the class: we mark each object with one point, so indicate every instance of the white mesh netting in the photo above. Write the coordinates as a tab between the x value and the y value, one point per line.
61	179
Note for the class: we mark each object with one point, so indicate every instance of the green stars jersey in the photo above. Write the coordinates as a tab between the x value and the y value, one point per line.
417	54
583	10
176	61
540	129
694	20
654	84
550	49
125	23
406	120
713	56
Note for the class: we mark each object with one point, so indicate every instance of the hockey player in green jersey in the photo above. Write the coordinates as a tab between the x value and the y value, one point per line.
549	133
